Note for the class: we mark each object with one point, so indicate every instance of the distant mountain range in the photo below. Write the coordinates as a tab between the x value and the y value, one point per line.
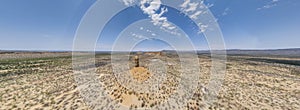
293	52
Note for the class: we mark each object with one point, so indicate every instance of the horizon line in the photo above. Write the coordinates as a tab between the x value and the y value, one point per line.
40	50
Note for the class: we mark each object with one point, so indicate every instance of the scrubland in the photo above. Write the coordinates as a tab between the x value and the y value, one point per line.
250	82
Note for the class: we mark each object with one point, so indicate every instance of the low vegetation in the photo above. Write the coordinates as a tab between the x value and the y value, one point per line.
250	83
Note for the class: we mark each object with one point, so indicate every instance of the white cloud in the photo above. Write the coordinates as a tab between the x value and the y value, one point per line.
171	32
154	5
271	4
152	33
151	7
128	2
192	7
209	5
138	36
157	18
267	6
194	10
185	3
203	27
195	15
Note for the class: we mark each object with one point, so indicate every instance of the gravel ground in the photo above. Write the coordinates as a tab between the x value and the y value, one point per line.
47	82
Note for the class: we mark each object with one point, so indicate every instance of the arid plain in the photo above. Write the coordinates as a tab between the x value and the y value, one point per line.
45	80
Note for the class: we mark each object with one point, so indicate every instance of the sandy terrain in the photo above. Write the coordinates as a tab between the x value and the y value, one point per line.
48	83
140	74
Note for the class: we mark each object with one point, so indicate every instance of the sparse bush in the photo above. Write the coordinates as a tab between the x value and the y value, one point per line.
295	71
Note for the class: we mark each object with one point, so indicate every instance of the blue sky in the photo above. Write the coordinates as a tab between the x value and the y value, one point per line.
245	24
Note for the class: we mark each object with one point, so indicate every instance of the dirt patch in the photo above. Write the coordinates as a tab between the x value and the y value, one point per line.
140	74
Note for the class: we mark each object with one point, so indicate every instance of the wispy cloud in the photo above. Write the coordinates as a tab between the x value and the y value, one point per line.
128	2
225	12
194	10
148	31
203	28
270	4
139	36
190	8
196	14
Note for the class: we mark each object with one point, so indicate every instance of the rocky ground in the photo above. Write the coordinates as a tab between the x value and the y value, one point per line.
48	83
